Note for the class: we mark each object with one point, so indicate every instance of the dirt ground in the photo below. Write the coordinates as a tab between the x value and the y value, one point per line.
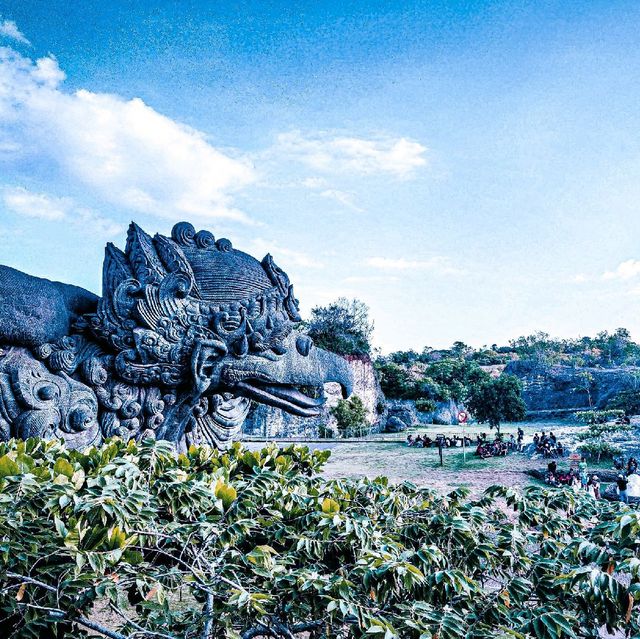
389	455
422	467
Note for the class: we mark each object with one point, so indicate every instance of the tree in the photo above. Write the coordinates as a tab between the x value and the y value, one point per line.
586	383
494	400
342	327
351	416
396	381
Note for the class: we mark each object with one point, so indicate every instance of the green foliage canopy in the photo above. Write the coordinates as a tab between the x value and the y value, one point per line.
342	327
255	544
494	400
351	416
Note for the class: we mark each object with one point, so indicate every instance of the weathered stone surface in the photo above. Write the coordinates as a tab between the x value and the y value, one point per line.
187	333
395	425
405	410
34	310
560	388
269	422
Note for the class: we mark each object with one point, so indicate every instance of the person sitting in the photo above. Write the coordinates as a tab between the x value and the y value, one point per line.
536	440
559	449
552	438
410	441
427	441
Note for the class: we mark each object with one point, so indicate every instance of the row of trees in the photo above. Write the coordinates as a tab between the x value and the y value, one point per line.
605	350
344	327
490	399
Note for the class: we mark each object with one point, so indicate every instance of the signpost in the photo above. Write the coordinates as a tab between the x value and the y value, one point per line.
462	419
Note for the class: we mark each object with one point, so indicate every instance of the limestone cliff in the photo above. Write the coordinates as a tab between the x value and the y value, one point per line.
563	389
266	421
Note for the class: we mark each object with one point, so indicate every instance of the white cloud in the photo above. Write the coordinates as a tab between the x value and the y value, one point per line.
38	205
338	154
580	278
341	197
9	29
438	263
314	182
123	151
625	271
259	247
370	279
46	207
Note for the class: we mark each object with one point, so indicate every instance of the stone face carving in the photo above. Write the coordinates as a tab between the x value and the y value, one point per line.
187	332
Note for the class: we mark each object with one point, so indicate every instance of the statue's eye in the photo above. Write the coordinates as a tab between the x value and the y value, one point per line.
45	393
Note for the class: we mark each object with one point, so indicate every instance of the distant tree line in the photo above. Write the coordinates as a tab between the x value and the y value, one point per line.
605	350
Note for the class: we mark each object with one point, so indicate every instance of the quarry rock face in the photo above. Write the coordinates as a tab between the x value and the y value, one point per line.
405	410
561	388
270	422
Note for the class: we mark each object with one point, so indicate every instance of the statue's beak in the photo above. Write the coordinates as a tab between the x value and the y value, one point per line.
292	381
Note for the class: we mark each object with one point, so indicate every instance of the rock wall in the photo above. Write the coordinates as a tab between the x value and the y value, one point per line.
405	411
560	388
269	422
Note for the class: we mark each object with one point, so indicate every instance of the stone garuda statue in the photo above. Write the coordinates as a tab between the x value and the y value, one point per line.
187	333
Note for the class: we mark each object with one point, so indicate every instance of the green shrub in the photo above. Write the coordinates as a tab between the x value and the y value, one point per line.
494	400
598	416
425	405
351	417
600	450
342	327
627	401
249	544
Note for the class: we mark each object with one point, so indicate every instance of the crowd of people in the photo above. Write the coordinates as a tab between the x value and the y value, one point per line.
439	440
576	478
499	446
485	447
548	445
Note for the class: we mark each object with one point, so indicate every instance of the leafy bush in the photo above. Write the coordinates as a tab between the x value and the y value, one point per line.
597	431
627	401
351	416
600	449
254	544
598	416
425	405
396	382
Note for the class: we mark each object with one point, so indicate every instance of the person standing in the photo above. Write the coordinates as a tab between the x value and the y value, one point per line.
622	488
582	468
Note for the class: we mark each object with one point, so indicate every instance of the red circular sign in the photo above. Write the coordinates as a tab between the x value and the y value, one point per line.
462	417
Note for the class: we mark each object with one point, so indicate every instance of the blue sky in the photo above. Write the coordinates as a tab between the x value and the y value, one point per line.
470	170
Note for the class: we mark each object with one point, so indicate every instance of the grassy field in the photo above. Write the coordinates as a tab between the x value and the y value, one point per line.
388	455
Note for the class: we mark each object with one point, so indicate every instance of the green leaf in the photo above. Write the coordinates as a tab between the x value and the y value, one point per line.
63	467
8	467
